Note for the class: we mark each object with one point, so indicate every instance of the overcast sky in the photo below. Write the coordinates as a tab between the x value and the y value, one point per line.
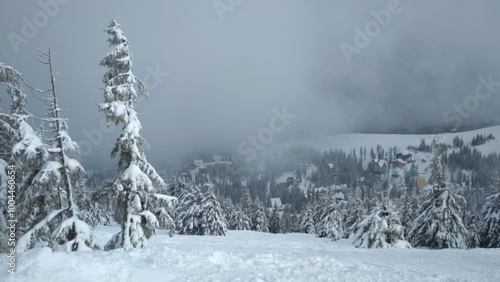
221	71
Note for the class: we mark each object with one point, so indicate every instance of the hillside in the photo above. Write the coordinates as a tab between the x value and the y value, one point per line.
353	141
348	142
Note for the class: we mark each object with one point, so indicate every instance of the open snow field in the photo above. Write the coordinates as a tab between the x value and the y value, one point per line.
253	256
348	142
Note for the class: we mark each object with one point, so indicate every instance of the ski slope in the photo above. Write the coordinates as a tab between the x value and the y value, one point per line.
348	142
353	141
253	256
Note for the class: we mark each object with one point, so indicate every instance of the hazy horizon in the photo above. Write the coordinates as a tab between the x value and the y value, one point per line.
222	74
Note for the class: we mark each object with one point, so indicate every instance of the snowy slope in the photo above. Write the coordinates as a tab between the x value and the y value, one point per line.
348	142
254	256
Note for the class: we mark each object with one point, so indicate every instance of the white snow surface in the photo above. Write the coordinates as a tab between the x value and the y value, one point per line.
348	142
252	256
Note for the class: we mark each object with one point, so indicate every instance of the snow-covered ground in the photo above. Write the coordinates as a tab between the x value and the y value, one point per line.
353	141
348	142
253	256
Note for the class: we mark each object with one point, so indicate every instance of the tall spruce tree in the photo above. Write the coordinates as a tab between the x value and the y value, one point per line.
27	153
212	219
440	223
329	221
437	173
355	213
307	221
408	210
489	226
239	220
136	181
259	217
188	213
90	209
275	225
60	228
9	130
20	146
72	234
381	229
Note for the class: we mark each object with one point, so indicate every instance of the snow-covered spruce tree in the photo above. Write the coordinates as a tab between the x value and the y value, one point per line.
489	226
199	211
440	221
437	177
259	217
408	211
381	229
163	207
89	209
28	154
179	188
355	214
307	221
329	223
239	220
472	223
246	203
228	208
213	221
136	180
10	123
275	224
71	234
188	212
290	222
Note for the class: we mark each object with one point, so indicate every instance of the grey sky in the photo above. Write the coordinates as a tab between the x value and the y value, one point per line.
226	75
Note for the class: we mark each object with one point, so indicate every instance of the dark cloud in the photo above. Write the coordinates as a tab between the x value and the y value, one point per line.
226	77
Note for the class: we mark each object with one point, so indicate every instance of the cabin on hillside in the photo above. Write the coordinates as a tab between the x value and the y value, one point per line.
399	163
377	166
404	155
402	158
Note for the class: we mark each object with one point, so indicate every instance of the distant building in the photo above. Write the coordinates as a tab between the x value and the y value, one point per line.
290	181
404	155
377	166
283	185
399	163
329	192
402	158
420	181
